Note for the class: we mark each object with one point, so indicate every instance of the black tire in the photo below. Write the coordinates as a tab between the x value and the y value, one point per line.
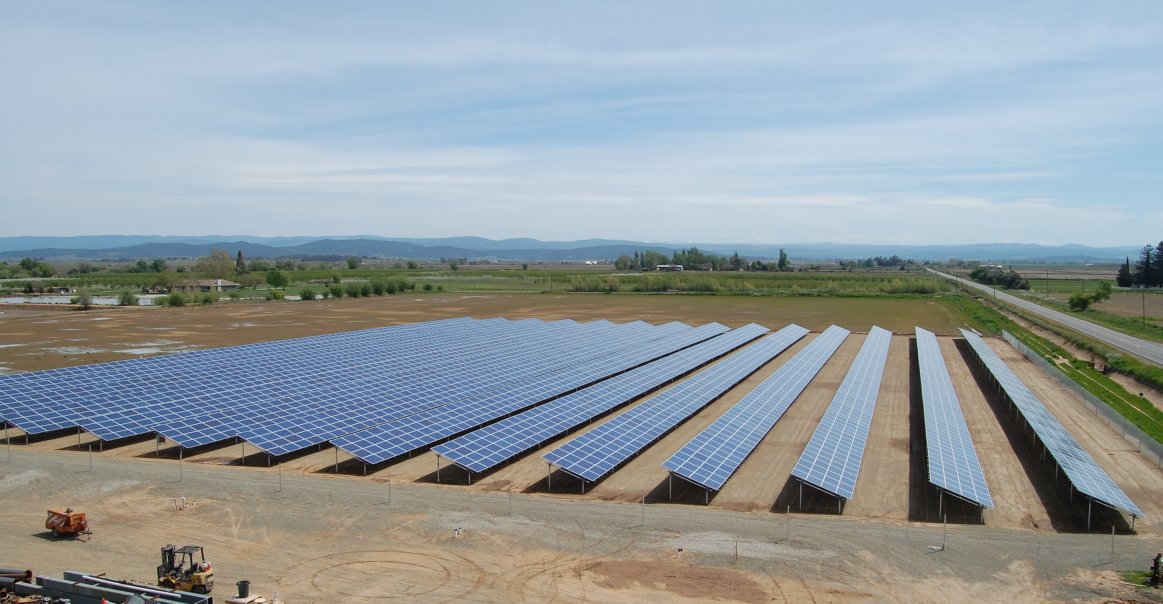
199	589
56	534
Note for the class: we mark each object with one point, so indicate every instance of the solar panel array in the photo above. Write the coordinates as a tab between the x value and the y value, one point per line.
318	406
488	447
1080	468
712	456
414	432
598	452
953	463
454	373
831	461
303	391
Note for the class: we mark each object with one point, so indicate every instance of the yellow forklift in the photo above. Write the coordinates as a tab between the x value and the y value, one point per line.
185	568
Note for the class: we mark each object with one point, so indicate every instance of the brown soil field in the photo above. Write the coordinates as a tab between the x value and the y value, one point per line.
311	535
1127	304
32	340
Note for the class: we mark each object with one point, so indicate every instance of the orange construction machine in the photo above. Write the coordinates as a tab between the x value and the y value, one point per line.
67	523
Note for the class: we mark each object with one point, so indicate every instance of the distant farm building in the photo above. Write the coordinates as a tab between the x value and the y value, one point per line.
207	285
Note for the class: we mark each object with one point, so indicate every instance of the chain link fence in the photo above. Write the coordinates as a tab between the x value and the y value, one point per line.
1149	447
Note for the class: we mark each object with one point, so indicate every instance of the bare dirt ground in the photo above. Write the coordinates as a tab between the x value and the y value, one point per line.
35	339
313	536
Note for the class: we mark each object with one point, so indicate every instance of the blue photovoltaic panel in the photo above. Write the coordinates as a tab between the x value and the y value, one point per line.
831	461
953	463
1080	468
488	447
417	431
534	360
598	452
712	456
301	407
295	393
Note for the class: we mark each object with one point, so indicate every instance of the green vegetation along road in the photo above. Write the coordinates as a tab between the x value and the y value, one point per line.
1151	352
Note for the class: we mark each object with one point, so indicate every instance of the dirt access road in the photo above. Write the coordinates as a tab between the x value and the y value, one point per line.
314	538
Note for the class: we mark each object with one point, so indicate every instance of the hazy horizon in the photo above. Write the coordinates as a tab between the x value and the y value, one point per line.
741	122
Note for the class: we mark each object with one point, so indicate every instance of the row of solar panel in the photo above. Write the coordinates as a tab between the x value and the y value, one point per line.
1080	468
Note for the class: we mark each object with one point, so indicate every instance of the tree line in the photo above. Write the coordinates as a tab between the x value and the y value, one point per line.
1147	272
696	259
991	275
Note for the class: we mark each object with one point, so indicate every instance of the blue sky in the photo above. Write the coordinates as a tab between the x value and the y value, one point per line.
750	122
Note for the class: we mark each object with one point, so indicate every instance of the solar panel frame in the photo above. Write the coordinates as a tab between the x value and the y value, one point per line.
1081	469
953	463
832	459
713	456
598	452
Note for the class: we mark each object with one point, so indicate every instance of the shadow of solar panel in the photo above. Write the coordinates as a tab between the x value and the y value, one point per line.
832	459
712	456
953	463
1080	468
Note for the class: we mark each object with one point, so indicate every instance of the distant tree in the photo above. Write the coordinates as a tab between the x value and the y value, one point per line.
83	298
37	268
1081	301
307	294
412	265
336	291
625	263
524	266
1145	267
286	264
736	262
276	279
326	293
127	298
1124	278
352	263
239	264
251	280
784	265
218	265
165	280
1157	264
454	266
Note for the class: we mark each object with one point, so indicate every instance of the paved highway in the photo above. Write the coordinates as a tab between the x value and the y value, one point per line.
1146	350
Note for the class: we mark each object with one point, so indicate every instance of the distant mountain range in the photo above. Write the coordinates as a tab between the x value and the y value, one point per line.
133	247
